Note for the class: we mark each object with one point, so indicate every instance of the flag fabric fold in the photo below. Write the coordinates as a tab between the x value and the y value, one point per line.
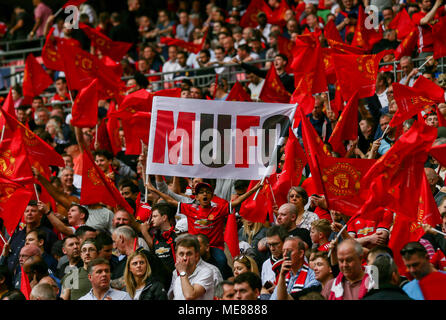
85	107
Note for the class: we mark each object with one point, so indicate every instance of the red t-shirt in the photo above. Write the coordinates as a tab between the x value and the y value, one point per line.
208	221
362	228
324	247
425	38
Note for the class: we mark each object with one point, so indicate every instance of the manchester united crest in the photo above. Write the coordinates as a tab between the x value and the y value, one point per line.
94	177
7	163
342	179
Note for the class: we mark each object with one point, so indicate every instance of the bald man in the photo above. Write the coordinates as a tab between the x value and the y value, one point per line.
352	282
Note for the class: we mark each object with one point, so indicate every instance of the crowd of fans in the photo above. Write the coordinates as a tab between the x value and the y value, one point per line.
174	247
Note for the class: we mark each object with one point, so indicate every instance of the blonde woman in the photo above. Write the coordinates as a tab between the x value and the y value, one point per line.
140	284
252	233
244	263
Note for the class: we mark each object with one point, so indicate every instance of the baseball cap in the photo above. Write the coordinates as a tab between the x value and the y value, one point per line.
202	185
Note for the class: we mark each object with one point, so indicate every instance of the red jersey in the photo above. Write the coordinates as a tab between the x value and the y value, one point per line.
439	260
324	247
425	38
362	228
208	221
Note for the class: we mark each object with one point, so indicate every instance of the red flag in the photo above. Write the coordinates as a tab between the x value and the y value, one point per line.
429	89
362	68
73	3
291	174
403	231
339	47
36	148
189	46
402	24
257	211
273	89
8	104
330	72
285	46
365	37
238	93
35	78
85	107
305	101
438	32
432	286
97	188
340	178
114	49
331	32
314	148
346	127
277	17
249	18
13	201
136	128
407	46
409	102
439	153
113	129
396	177
50	55
25	287
231	235
308	65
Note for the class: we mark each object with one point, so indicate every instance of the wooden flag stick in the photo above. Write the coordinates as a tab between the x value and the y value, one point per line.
3	133
385	131
425	62
337	237
37	194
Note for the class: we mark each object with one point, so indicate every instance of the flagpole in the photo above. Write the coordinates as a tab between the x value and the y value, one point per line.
96	134
37	195
385	131
3	239
425	62
145	176
272	193
3	133
328	98
439	169
274	154
57	12
337	238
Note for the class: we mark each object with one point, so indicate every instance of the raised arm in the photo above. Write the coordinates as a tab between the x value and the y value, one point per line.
59	225
245	196
165	197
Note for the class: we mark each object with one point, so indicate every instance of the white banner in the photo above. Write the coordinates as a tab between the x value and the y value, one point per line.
214	139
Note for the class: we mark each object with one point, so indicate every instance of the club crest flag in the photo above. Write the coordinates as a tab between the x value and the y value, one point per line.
214	139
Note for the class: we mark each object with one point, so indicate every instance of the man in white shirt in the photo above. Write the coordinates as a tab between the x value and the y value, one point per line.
255	85
171	64
191	280
409	73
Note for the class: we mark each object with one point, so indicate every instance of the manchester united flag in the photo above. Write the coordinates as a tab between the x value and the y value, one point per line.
273	89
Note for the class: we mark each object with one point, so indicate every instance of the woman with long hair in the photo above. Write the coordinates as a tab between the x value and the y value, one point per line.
140	284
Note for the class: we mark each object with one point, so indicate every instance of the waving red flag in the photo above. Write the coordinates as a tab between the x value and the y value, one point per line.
13	201
35	78
342	48
396	177
8	104
402	24
346	127
409	102
50	55
438	32
330	72
429	89
136	128
331	32
362	68
249	18
73	3
25	287
305	102
407	46
277	17
439	153
14	163
85	107
257	210
36	148
291	174
113	126
231	235
340	178
113	49
273	89
285	46
238	93
365	37
97	188
189	46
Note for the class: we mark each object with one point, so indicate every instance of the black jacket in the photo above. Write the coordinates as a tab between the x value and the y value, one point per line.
386	292
153	290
